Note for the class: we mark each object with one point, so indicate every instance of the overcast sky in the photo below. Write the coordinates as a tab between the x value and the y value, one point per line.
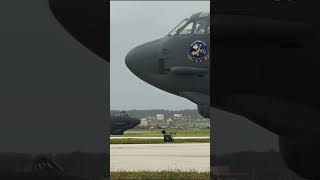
134	23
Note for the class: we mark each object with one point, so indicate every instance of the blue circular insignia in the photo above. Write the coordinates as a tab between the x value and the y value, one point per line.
198	52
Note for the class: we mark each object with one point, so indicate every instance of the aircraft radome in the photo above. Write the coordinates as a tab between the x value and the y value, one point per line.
121	123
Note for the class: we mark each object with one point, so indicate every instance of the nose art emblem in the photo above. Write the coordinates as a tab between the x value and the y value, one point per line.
198	52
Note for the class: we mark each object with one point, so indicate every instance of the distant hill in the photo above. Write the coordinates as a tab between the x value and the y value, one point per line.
190	113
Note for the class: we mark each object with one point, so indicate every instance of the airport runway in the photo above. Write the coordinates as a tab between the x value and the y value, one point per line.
153	157
158	137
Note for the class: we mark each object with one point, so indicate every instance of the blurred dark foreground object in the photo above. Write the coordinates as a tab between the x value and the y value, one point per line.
31	176
44	167
30	23
71	166
86	21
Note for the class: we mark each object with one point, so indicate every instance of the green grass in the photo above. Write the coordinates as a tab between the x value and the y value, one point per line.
155	141
157	133
160	175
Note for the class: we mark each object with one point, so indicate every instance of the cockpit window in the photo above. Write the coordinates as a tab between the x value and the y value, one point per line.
201	27
187	29
123	113
177	28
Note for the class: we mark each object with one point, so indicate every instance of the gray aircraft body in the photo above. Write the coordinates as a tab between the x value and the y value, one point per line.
179	62
121	123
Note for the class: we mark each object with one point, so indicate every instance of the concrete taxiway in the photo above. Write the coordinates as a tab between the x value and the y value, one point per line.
155	157
158	137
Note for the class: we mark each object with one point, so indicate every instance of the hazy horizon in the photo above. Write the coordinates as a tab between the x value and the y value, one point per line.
152	109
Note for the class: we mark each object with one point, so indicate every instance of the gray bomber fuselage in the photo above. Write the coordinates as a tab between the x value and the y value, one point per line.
166	64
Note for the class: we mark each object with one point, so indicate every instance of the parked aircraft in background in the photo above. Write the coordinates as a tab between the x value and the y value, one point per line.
121	123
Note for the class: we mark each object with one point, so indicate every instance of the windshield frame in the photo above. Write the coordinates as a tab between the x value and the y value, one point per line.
176	30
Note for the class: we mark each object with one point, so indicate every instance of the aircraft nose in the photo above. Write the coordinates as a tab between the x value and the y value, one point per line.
141	59
132	61
135	122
